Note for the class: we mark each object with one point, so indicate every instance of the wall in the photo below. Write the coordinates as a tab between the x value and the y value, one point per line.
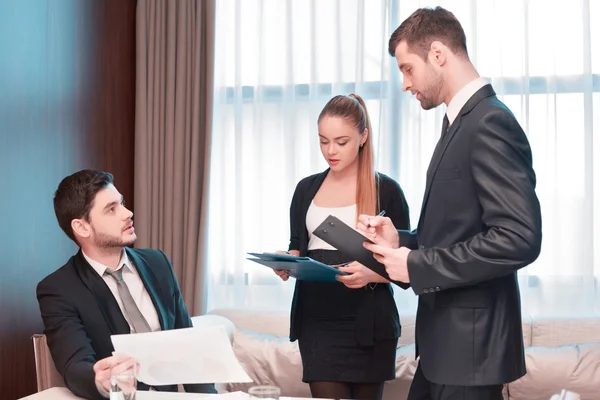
67	85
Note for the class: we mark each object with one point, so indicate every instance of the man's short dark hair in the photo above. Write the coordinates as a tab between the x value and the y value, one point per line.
427	25
75	196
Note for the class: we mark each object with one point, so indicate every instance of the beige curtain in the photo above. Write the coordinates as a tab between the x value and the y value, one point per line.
174	92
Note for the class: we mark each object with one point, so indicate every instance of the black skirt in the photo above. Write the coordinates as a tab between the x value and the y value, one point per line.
328	332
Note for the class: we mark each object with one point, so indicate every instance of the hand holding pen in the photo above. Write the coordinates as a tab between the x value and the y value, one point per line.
379	229
381	214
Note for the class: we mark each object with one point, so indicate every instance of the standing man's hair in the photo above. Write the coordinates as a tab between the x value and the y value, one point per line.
427	25
75	196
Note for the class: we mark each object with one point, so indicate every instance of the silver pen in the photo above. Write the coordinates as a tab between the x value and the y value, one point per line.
381	214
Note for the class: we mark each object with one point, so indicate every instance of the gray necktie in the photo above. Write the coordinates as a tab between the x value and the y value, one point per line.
132	312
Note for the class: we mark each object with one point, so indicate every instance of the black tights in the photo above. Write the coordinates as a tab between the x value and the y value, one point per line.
343	390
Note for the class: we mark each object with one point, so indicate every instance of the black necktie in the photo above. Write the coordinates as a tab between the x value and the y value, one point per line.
445	124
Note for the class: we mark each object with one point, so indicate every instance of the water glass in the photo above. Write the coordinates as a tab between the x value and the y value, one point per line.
123	383
264	392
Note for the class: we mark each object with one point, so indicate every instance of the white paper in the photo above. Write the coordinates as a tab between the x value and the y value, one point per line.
143	395
190	355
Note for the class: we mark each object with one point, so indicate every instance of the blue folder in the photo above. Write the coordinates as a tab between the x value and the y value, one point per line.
301	268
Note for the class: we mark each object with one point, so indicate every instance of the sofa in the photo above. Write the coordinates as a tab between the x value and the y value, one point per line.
561	353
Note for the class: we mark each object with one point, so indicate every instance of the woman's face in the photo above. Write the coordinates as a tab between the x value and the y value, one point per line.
340	141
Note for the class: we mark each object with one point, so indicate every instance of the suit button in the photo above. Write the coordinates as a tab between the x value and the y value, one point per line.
421	247
437	288
425	290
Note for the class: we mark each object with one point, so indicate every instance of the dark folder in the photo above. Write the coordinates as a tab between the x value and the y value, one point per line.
350	242
301	268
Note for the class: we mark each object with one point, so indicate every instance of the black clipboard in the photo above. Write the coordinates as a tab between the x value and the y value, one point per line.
350	242
301	268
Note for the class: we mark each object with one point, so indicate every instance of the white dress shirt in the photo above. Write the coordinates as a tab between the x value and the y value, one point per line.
461	98
136	288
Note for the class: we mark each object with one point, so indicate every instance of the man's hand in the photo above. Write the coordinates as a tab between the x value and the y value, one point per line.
114	364
394	260
359	276
380	230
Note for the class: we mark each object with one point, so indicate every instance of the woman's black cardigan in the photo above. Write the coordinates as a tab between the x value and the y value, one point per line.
378	318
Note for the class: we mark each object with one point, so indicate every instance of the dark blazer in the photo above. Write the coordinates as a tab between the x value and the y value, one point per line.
480	222
80	314
378	320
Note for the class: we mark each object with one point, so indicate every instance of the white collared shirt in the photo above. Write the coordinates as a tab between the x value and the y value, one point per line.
463	95
136	288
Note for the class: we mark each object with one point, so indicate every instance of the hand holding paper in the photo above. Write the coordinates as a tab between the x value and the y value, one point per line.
359	276
301	268
190	355
394	260
352	243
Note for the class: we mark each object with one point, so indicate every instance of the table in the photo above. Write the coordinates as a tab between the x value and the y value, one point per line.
61	393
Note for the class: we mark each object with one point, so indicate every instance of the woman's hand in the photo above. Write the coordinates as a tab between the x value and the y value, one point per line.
359	276
283	273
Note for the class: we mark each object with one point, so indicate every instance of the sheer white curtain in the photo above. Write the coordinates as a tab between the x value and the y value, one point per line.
277	64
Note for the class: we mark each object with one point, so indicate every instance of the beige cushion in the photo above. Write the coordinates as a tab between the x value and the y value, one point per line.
214	320
555	331
45	371
406	364
551	369
269	360
272	322
277	323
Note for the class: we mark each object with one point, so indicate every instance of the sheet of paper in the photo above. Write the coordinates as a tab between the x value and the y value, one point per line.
190	355
144	395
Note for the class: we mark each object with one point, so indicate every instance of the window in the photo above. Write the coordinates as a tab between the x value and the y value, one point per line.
278	62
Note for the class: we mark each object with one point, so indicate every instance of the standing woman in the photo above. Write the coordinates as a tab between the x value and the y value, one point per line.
347	331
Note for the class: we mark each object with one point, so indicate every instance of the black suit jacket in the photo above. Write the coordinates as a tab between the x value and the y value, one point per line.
80	314
480	222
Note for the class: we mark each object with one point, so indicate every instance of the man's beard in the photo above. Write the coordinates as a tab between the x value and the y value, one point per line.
430	96
104	241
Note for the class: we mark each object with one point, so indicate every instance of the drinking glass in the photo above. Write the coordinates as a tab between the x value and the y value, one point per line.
264	392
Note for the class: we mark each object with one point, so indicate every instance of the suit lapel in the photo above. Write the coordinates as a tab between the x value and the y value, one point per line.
150	283
442	145
104	297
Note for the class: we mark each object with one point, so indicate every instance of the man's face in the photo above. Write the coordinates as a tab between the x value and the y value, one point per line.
420	77
111	224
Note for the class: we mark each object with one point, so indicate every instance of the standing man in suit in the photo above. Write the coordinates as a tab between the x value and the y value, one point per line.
105	289
480	221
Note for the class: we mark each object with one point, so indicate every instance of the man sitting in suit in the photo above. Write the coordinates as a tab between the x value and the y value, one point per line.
104	289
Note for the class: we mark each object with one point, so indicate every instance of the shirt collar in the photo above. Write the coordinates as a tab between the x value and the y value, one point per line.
101	268
463	95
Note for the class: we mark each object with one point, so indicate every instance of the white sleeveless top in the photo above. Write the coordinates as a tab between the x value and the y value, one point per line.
316	215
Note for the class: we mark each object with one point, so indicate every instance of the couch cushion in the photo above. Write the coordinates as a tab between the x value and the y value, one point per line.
269	360
272	322
407	321
551	369
556	331
214	320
